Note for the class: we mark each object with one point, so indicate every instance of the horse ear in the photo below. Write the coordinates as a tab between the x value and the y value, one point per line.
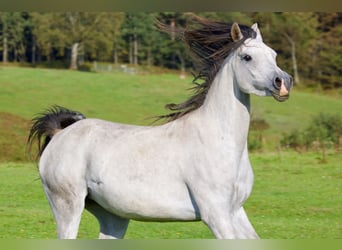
256	29
235	32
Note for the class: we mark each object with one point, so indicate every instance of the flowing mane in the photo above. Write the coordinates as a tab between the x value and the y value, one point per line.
210	43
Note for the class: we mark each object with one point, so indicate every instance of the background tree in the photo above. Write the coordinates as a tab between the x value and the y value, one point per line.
12	36
101	43
308	44
293	36
175	54
329	70
90	33
83	31
44	35
239	17
114	22
323	131
138	32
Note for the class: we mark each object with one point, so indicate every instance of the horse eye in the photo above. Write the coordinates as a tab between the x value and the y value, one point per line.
246	57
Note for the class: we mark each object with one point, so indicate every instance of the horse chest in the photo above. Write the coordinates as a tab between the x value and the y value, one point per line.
223	178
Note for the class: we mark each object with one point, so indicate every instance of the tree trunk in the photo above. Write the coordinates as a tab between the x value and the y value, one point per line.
115	56
130	50
182	65
33	52
172	26
149	57
294	59
5	44
115	53
48	54
15	52
74	55
294	63
135	50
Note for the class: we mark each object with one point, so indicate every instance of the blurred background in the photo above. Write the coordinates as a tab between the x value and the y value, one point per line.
77	39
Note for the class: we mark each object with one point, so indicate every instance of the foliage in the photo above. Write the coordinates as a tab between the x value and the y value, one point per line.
12	35
330	50
295	139
256	135
326	127
308	43
254	142
92	33
323	131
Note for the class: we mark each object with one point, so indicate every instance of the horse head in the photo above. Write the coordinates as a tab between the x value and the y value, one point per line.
256	69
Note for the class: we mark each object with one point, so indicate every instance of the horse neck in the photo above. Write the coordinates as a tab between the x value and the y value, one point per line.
226	108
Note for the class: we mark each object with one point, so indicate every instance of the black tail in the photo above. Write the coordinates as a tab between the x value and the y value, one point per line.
45	125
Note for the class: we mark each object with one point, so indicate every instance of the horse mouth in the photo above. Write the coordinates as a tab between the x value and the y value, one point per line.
280	92
280	98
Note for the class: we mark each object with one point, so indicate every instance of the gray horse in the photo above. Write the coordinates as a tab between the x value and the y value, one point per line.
193	167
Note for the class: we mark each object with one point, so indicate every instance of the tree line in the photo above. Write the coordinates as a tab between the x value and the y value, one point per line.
308	43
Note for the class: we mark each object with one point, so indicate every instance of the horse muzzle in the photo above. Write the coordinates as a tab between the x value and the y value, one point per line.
282	88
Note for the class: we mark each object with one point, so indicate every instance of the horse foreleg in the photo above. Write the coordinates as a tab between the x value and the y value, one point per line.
224	220
220	224
111	225
229	225
245	226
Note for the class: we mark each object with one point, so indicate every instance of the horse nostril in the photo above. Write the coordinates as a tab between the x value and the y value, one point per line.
277	83
291	79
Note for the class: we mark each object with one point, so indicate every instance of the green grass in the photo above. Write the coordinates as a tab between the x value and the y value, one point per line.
294	197
24	92
295	113
112	96
133	98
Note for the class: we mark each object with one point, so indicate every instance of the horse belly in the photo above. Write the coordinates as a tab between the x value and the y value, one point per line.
146	202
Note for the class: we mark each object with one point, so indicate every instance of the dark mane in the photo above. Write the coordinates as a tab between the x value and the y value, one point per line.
210	43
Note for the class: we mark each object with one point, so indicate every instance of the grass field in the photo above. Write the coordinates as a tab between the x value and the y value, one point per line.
295	196
119	97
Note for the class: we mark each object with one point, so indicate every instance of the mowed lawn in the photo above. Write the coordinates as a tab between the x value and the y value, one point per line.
295	196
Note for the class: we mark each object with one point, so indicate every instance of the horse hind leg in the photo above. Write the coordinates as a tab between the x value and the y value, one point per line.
67	210
111	225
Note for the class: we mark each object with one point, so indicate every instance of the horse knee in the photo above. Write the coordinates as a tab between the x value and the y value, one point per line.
229	225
